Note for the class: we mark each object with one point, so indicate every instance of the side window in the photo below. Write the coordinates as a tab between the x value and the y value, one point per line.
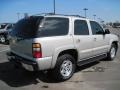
54	26
81	27
96	28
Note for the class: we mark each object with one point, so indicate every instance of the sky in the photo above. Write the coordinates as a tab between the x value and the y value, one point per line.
107	10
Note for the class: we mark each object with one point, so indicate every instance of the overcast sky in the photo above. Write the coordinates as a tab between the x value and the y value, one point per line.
108	10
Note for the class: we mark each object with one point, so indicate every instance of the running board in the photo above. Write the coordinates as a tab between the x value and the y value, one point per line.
90	60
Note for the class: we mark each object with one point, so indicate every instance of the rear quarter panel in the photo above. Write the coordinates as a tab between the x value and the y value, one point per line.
52	46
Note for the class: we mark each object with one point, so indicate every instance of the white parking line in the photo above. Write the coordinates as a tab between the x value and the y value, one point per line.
4	50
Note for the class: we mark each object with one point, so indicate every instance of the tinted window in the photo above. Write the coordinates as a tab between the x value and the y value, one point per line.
3	26
9	26
53	26
96	28
81	27
26	28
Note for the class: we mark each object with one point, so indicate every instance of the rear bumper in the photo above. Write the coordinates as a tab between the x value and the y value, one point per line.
22	62
35	65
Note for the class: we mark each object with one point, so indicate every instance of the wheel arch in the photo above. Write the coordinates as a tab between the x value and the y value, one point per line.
61	51
116	43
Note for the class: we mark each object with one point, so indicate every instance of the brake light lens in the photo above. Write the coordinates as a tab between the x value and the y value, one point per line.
36	50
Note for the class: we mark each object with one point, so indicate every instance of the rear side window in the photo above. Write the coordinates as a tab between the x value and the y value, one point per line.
81	27
96	28
53	26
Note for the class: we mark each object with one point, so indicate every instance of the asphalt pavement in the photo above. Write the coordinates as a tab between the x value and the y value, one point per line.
102	75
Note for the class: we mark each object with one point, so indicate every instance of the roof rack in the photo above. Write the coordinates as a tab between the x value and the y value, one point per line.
45	14
76	16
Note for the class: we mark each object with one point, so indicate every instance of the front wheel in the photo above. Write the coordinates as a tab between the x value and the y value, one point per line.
65	67
112	53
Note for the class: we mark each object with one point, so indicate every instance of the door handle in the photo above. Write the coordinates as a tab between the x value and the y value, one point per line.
78	41
95	39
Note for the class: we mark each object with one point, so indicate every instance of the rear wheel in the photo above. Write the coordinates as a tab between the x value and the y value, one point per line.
112	53
65	67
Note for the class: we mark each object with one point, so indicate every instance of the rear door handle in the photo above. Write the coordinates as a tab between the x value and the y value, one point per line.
95	39
78	41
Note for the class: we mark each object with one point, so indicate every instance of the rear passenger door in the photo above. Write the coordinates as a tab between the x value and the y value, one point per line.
82	39
100	40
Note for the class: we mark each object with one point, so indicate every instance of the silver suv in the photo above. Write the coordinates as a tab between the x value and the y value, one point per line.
59	43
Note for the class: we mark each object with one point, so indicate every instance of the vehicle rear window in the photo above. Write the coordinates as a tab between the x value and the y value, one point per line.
27	27
53	26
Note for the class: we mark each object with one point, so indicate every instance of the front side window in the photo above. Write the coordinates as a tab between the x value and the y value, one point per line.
81	27
96	28
53	26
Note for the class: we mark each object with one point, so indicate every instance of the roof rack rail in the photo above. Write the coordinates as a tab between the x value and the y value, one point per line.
45	14
58	14
76	16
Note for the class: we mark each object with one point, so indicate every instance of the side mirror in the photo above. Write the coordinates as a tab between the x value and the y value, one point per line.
107	31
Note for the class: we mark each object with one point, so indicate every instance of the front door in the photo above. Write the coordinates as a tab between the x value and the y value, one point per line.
100	40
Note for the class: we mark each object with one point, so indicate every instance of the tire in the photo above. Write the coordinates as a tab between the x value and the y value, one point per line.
65	68
112	53
2	39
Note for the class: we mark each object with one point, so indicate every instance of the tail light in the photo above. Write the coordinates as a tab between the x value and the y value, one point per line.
36	50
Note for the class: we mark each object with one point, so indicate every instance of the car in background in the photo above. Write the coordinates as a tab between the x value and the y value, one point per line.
116	25
5	29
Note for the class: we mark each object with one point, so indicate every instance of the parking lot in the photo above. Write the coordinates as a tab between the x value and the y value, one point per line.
103	75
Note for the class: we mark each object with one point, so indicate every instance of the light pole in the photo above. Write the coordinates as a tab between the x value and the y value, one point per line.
85	9
54	6
94	16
